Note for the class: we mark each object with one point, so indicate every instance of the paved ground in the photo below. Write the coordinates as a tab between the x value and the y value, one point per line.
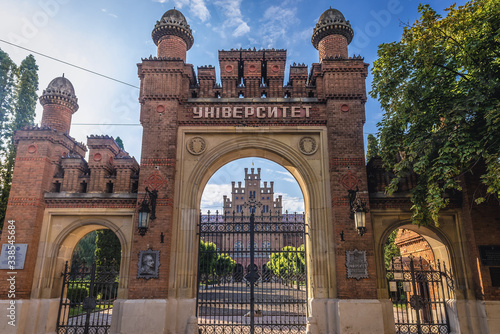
99	323
226	308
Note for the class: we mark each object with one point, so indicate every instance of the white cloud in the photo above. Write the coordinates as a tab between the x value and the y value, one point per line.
234	17
212	196
242	29
276	22
286	176
196	7
200	10
291	203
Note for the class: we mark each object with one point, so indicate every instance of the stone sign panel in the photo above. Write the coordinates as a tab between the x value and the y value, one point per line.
357	266
490	255
13	256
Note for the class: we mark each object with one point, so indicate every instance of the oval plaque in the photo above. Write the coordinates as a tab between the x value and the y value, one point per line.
196	145
308	145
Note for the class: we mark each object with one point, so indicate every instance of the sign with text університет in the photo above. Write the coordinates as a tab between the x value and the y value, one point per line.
252	112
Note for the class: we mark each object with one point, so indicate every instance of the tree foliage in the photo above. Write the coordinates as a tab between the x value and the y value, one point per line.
440	88
7	84
288	263
119	141
212	263
18	86
85	249
373	149
107	250
390	249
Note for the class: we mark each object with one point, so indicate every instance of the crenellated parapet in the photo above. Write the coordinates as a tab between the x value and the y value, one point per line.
109	169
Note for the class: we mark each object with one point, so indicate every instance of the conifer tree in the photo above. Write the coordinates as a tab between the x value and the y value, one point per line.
107	250
119	141
7	84
17	106
372	150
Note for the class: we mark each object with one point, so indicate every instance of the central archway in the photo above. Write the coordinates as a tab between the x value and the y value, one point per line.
251	262
282	147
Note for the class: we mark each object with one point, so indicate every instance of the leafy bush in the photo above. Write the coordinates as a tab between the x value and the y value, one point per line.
76	294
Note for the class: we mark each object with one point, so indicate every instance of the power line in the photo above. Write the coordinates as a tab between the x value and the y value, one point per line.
105	124
65	62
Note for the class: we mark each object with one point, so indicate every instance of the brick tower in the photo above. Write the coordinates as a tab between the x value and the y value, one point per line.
332	34
340	82
172	35
59	104
38	157
165	82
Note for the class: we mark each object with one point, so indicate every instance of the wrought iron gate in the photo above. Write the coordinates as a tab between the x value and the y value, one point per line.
419	294
252	274
87	298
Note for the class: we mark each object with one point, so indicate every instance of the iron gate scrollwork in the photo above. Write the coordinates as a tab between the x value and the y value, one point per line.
419	294
252	274
87	298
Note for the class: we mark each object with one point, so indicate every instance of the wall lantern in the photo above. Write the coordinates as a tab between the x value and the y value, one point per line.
147	210
357	211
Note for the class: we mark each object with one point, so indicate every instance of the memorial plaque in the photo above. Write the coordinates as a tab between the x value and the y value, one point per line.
490	255
148	264
13	256
357	266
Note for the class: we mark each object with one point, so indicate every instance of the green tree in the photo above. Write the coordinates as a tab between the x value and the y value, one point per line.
208	256
18	110
7	84
224	265
107	250
390	249
373	150
85	248
119	141
213	266
288	263
439	87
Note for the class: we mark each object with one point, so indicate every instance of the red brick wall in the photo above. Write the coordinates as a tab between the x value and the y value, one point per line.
57	117
173	47
33	172
331	46
411	243
481	225
345	119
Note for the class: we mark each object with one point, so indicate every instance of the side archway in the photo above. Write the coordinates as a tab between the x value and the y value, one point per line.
448	245
63	230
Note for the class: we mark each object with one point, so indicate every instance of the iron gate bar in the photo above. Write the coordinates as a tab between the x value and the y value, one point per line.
421	309
279	303
92	315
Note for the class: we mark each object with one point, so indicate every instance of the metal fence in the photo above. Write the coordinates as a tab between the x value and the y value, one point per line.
87	298
419	293
252	274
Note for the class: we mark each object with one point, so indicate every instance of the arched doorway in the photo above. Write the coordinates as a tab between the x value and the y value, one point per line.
90	284
419	279
282	147
251	269
63	228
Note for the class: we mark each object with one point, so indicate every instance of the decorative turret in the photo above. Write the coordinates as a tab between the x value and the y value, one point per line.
59	104
332	34
172	35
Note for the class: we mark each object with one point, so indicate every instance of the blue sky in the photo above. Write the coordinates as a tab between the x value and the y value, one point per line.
110	37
